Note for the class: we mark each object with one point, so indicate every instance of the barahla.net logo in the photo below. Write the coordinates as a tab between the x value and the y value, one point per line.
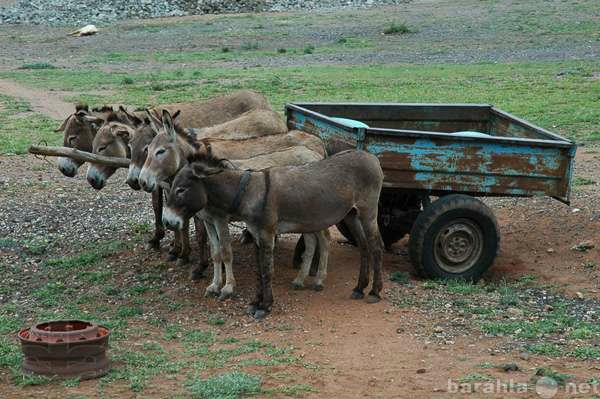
545	387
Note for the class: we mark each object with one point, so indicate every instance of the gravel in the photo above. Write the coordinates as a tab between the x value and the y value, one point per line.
62	12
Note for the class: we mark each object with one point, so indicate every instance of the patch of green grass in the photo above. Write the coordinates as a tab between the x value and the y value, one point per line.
309	49
128	80
400	277
582	181
84	259
461	287
397	29
8	243
545	349
215	320
224	386
71	382
199	337
475	377
250	46
125	312
529	90
37	65
560	378
19	128
586	352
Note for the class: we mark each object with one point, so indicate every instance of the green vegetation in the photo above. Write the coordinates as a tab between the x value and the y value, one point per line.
475	377
19	127
400	277
38	65
560	378
224	386
582	181
397	29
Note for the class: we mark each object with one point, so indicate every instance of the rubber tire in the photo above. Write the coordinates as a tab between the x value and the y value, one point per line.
436	216
297	259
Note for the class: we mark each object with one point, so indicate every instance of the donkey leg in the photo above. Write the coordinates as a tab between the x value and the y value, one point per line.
175	249
375	244
215	252
258	294
227	259
159	230
355	228
310	242
184	254
197	272
265	250
323	237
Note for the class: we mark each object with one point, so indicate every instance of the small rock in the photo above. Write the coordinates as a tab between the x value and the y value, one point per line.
515	311
583	246
550	250
548	308
438	329
579	295
421	371
510	367
524	355
576	210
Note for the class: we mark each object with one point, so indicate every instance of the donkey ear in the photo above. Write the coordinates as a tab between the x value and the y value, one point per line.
168	125
63	125
176	115
84	117
154	122
125	134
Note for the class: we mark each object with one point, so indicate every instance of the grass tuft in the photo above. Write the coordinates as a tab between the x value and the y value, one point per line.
37	65
225	386
397	29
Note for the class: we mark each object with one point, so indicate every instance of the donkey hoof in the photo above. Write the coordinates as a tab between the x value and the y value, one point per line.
373	298
357	295
251	310
260	314
226	292
297	286
182	261
212	290
318	287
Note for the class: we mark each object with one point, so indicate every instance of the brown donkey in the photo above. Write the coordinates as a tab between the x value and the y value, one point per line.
79	130
296	199
169	152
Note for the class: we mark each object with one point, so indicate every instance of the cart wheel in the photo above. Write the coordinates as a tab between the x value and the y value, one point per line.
455	237
299	250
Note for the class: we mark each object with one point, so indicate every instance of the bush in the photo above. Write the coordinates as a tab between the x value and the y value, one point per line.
397	29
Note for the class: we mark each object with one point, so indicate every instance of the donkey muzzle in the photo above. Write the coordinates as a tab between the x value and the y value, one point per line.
172	220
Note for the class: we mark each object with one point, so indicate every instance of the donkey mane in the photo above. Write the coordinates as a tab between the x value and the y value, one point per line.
207	159
189	135
81	107
112	117
104	108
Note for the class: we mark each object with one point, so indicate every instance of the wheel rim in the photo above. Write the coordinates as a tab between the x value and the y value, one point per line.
458	246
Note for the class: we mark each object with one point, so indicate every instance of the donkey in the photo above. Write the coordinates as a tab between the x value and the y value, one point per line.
292	199
79	130
167	154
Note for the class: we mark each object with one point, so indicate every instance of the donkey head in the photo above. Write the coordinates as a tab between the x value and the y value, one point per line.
188	193
111	140
78	130
163	158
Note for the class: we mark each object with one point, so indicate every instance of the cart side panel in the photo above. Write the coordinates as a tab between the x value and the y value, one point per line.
470	166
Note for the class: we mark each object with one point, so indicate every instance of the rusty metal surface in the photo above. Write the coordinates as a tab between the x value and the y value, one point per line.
417	153
65	349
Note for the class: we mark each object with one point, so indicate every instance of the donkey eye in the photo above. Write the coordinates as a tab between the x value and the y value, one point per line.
145	149
101	149
159	152
179	191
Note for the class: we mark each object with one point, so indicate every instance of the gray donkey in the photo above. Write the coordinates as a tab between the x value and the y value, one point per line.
289	199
